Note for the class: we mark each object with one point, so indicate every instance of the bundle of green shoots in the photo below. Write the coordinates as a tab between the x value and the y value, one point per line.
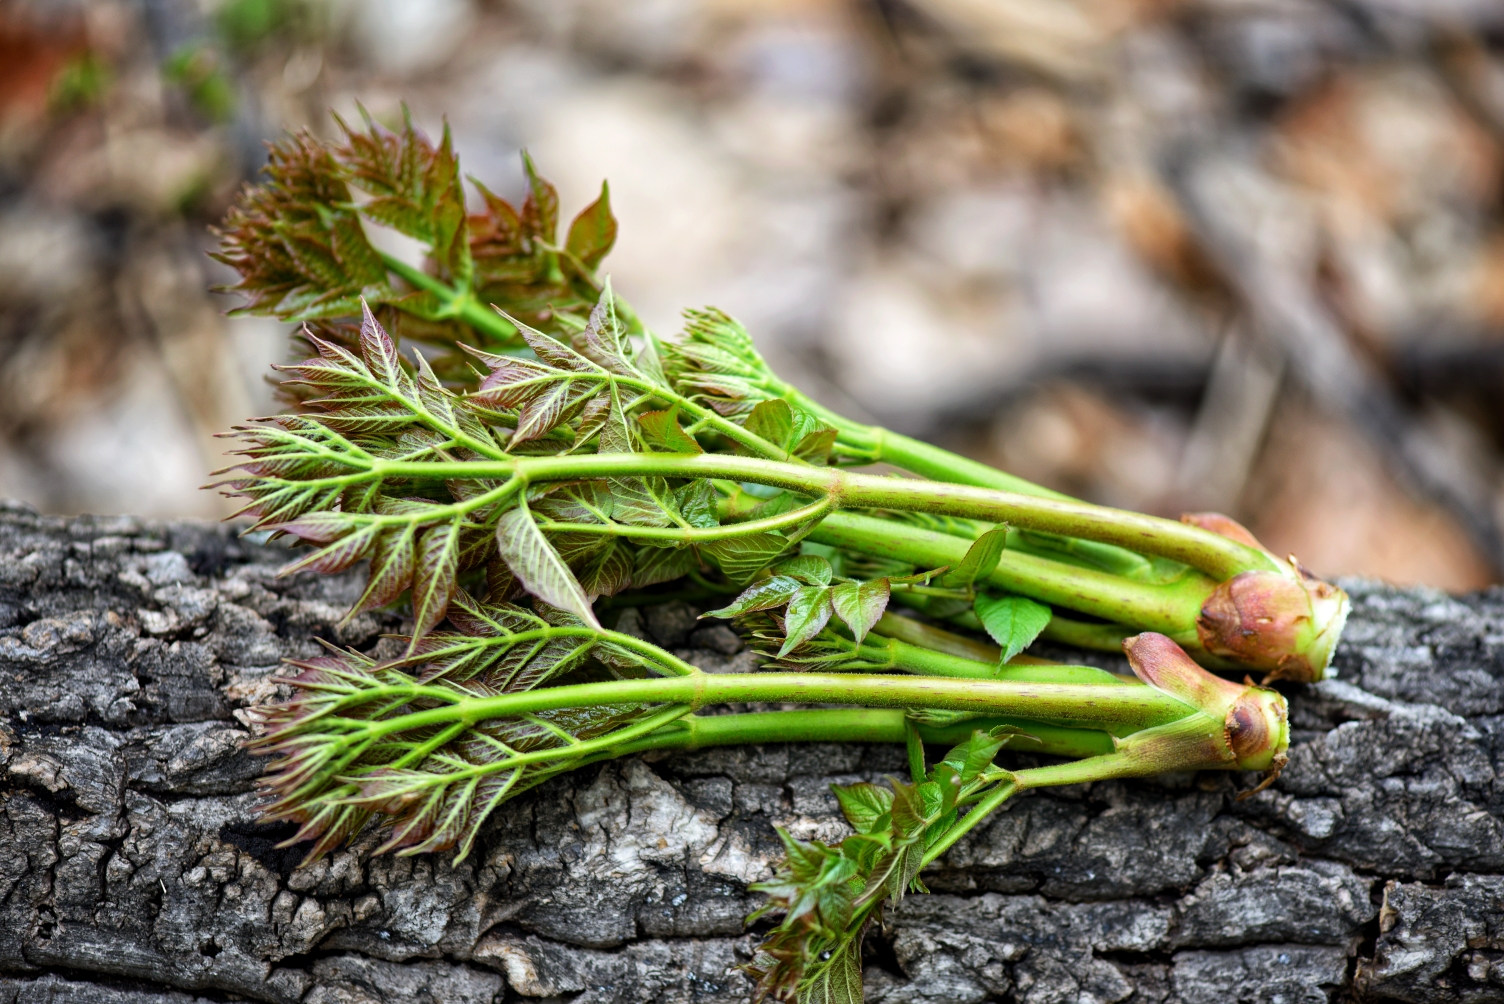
541	461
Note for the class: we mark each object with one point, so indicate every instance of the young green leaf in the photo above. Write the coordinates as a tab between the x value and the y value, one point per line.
740	558
860	604
815	446
769	594
696	504
866	806
837	979
980	561
593	231
661	429
807	568
717	364
772	420
976	754
1013	621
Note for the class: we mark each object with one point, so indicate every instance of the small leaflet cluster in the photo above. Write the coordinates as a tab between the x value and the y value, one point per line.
299	244
827	895
788	615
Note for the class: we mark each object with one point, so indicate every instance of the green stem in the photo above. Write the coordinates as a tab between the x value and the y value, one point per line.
1217	556
926	635
1194	742
994	798
875	444
857	725
577	751
459	303
1072	705
883	446
696	535
1103	637
927	662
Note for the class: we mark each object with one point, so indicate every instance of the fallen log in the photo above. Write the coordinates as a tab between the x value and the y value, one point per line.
133	871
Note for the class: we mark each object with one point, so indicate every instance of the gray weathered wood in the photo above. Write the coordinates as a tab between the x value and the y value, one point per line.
132	870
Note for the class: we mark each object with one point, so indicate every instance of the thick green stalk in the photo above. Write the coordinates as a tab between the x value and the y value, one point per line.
1168	608
883	446
930	637
1103	637
1217	556
857	725
923	661
1110	708
886	652
1195	742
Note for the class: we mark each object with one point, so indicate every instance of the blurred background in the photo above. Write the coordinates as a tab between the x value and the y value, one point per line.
1244	255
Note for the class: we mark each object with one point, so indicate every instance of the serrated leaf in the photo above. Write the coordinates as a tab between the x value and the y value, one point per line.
662	564
976	754
1012	621
379	351
769	594
808	612
837	980
616	434
772	420
860	604
391	572
593	231
815	446
866	806
740	558
980	561
808	568
696	504
607	572
334	557
540	211
593	417
661	429
603	340
434	575
643	501
538	566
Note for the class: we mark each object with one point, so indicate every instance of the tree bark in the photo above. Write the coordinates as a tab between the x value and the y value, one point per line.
132	870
